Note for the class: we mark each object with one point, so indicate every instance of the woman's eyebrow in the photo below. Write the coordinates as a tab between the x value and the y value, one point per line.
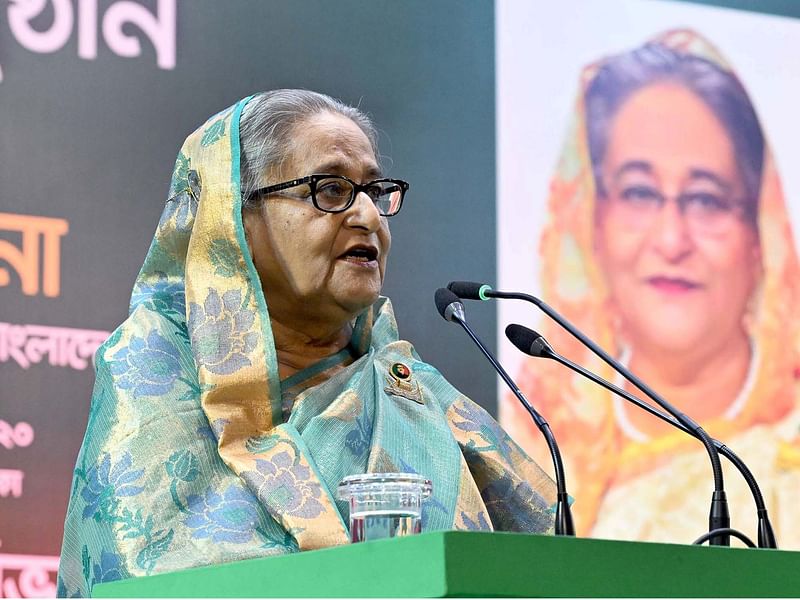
638	166
337	167
704	174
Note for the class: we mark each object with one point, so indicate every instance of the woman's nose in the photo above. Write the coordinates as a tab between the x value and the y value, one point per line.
670	235
363	214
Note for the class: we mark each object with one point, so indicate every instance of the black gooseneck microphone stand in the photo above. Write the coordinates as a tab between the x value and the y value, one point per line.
451	309
534	344
719	517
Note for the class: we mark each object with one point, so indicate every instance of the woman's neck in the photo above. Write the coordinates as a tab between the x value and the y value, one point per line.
298	347
704	386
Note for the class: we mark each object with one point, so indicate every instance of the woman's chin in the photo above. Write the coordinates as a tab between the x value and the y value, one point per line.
672	337
357	302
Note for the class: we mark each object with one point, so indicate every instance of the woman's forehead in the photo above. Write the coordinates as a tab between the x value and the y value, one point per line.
330	142
669	128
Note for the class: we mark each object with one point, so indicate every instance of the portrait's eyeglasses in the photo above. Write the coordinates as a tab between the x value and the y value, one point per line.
706	213
336	193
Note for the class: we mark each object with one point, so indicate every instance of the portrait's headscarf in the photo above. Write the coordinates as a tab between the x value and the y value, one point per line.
572	282
191	455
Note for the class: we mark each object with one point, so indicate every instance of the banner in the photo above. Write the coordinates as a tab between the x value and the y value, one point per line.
646	191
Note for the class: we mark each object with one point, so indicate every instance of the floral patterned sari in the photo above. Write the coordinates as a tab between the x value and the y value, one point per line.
196	453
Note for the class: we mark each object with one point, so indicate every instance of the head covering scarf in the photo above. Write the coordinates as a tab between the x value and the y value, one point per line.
659	489
196	453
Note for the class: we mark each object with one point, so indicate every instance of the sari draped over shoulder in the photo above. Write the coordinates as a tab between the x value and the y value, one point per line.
196	453
659	489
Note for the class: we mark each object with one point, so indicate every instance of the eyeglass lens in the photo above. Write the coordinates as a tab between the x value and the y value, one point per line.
705	213
334	194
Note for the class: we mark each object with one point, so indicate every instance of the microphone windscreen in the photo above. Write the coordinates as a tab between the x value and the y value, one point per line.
444	298
524	338
468	290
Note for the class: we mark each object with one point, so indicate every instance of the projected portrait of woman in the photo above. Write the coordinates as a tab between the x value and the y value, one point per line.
668	242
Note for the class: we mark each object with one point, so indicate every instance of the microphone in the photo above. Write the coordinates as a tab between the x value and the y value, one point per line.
451	309
534	344
449	306
719	517
470	290
529	342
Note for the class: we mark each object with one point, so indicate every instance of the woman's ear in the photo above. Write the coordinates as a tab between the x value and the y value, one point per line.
598	233
757	256
249	218
758	264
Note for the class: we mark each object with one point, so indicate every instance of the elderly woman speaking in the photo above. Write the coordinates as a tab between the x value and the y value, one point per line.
259	366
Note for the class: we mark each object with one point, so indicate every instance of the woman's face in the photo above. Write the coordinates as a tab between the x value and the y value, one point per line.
316	267
680	260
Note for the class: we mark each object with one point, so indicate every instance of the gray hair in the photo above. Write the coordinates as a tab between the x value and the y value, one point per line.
719	89
269	122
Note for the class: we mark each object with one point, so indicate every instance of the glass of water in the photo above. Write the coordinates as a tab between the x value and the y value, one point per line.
384	505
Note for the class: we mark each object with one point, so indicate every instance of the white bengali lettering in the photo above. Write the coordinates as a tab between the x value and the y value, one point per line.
22	12
63	346
87	29
159	28
11	483
20	435
12	340
34	579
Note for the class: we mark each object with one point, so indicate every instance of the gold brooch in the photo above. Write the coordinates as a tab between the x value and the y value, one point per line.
400	383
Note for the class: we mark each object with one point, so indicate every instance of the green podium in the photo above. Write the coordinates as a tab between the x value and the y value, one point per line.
460	563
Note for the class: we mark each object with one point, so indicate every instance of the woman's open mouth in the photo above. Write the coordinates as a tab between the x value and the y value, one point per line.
361	255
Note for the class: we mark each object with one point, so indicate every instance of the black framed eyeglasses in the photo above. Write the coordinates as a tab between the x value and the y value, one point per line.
336	193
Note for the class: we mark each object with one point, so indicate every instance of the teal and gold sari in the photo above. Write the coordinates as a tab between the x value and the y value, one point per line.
196	453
